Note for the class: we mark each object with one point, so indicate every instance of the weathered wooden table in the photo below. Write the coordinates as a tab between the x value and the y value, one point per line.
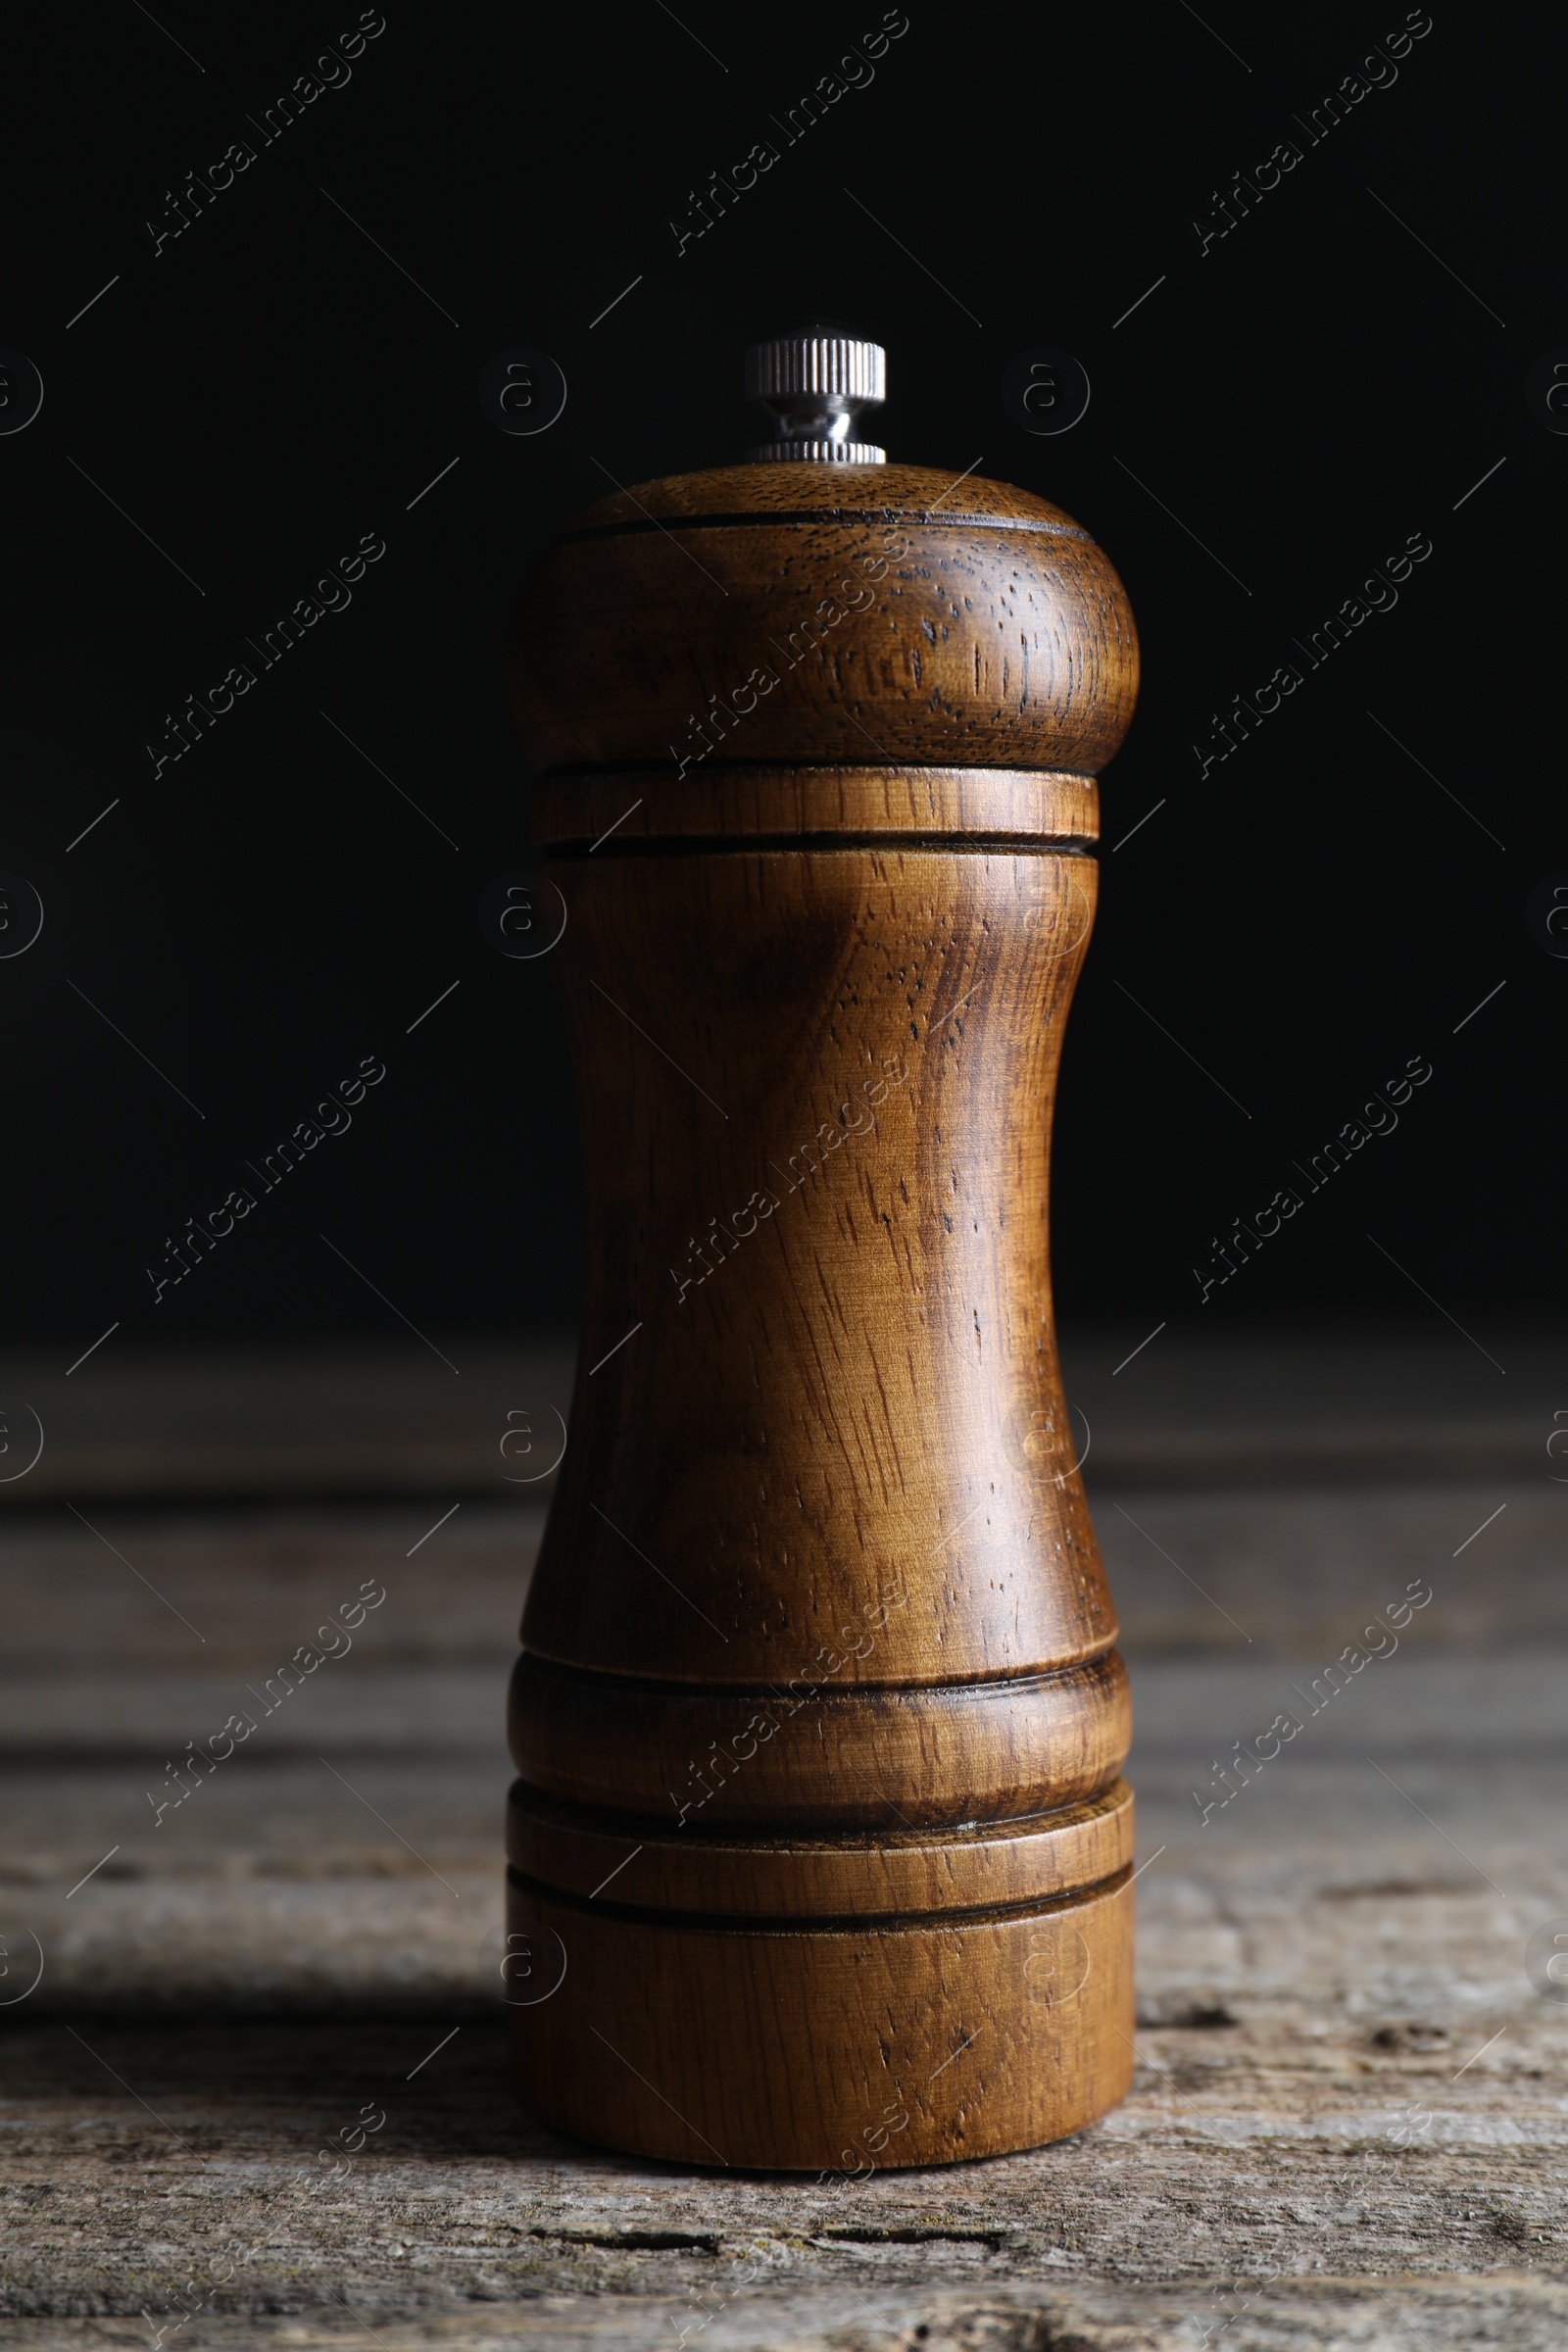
1350	2117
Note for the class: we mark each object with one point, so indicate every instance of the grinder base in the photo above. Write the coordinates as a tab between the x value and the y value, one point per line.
803	2045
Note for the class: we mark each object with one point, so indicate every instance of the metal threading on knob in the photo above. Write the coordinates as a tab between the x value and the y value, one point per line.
815	385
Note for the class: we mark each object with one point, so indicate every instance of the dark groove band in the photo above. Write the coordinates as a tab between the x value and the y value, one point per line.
639	1687
922	517
804	1924
711	844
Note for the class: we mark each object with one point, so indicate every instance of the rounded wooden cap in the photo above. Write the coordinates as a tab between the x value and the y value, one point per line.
828	614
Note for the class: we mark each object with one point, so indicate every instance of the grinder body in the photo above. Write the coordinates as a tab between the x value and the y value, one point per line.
819	1844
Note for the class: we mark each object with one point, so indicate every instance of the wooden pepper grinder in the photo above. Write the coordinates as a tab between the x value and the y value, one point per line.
819	1856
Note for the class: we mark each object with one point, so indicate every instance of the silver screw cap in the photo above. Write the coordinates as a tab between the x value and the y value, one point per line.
815	385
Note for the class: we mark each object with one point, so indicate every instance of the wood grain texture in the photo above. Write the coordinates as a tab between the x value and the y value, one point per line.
879	1874
804	1753
935	625
819	1715
817	1090
853	493
845	2049
273	1957
720	802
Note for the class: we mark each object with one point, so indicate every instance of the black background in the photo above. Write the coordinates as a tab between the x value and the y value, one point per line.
1305	396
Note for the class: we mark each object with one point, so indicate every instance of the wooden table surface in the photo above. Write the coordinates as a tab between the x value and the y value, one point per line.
1350	2117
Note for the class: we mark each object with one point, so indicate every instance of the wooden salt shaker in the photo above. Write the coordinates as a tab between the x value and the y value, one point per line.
819	1856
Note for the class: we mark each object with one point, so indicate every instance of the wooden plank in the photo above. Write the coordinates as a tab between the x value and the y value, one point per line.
275	1957
1192	1409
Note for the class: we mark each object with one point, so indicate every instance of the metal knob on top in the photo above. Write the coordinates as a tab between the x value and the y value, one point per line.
815	385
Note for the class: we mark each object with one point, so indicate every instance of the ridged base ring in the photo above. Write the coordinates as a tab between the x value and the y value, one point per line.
934	2038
